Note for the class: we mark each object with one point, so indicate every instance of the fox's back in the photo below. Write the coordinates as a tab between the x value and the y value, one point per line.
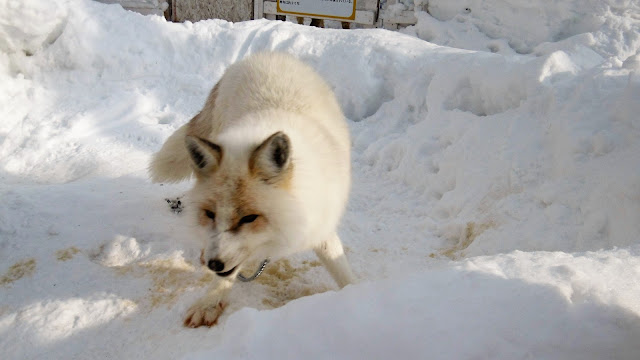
278	81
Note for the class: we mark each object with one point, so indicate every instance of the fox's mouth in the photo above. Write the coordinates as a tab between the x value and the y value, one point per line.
227	273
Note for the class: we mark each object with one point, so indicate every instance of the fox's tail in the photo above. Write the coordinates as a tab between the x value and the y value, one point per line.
172	163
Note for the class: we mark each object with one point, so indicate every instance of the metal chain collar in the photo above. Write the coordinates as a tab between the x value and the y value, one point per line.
257	273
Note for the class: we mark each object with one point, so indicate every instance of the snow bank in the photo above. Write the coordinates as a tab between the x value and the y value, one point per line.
505	26
463	314
495	204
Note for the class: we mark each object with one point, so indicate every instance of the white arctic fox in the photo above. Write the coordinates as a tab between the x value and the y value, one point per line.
270	156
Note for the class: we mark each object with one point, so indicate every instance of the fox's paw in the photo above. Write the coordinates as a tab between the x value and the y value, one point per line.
203	313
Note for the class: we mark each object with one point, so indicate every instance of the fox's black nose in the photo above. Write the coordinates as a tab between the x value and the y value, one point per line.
215	265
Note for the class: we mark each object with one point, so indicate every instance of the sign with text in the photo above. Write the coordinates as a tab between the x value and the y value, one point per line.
333	9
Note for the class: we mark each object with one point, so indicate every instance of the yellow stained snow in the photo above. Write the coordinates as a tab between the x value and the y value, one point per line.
66	254
18	270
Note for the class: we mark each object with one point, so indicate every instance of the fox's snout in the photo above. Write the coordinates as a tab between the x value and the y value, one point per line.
215	265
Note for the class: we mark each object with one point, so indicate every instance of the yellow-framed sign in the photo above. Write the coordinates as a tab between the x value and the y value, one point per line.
332	9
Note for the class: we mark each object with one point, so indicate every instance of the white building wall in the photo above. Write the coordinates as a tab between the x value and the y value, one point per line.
230	10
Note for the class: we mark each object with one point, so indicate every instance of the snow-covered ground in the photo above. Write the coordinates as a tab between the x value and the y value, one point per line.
495	210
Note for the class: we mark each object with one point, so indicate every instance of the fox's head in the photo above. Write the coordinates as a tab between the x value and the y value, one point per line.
241	199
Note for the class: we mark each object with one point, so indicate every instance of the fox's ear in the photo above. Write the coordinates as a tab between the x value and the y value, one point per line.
271	160
205	155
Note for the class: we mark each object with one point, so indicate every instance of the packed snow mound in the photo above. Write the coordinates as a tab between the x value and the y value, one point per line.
28	26
494	209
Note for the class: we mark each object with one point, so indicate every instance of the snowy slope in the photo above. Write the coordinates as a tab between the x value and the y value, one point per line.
495	210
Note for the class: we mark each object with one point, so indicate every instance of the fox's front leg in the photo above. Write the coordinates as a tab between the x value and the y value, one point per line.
208	308
333	258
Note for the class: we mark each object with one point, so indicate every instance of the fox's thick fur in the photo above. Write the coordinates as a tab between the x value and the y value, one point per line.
270	153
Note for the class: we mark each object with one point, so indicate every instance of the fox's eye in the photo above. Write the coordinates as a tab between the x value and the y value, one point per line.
210	214
248	219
